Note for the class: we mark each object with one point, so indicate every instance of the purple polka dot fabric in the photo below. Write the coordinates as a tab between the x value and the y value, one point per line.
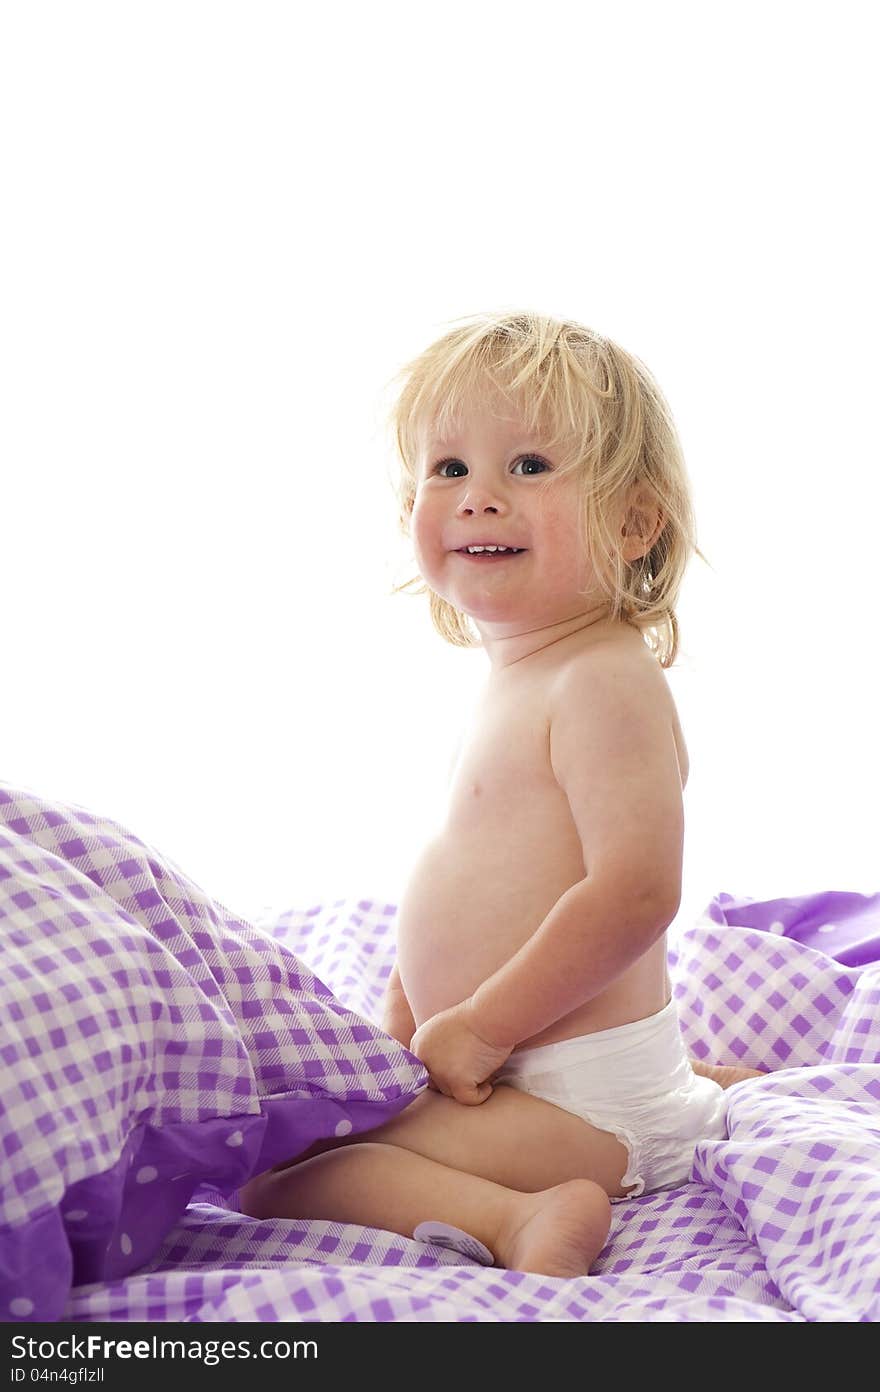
778	1221
152	1044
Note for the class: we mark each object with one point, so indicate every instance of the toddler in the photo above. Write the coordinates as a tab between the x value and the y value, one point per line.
546	498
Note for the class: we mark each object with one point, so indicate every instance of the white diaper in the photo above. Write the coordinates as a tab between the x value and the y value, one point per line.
636	1082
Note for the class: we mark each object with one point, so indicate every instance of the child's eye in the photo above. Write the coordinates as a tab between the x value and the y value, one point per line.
526	459
533	459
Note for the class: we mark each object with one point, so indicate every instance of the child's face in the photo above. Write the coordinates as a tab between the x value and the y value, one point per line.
488	483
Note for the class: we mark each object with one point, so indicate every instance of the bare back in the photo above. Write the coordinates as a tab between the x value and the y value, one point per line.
509	849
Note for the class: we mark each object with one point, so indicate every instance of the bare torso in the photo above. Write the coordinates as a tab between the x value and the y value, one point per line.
509	849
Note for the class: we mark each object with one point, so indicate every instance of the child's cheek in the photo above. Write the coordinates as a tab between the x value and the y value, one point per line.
425	534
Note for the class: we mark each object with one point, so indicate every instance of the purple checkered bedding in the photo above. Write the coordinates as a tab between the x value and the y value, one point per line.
157	1050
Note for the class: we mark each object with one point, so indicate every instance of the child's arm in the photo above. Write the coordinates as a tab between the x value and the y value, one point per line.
613	753
590	936
397	1017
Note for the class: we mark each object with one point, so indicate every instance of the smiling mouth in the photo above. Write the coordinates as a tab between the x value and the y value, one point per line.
491	555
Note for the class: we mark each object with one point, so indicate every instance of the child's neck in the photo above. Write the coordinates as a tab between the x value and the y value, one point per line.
504	650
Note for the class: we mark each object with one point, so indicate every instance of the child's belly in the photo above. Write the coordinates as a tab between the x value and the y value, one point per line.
479	892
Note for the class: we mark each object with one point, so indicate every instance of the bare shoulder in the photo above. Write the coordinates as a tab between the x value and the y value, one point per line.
619	655
620	667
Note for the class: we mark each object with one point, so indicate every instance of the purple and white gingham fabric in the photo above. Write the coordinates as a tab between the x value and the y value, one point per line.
152	1045
778	1221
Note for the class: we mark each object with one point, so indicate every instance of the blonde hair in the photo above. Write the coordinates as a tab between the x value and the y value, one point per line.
604	419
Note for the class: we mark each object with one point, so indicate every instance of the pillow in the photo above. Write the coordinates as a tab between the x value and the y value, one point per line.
152	1043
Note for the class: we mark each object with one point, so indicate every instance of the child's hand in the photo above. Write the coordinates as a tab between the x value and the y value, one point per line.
458	1060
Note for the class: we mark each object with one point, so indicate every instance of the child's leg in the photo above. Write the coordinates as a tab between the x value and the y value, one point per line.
512	1138
725	1074
559	1232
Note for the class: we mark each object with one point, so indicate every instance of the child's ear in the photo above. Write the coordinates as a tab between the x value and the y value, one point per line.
643	521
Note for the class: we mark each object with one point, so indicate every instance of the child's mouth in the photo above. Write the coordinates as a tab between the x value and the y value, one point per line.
490	555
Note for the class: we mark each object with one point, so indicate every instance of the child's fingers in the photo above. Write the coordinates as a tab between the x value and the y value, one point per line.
473	1096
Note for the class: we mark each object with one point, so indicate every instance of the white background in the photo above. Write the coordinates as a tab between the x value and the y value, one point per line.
227	225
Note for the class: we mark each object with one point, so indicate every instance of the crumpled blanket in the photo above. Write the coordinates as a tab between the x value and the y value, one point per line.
779	1220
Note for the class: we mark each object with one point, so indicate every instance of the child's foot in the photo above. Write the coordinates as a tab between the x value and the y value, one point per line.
725	1074
556	1232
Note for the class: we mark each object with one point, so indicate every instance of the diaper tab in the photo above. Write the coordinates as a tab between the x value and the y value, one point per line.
454	1239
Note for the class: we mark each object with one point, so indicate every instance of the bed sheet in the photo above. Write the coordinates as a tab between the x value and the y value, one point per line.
778	1221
